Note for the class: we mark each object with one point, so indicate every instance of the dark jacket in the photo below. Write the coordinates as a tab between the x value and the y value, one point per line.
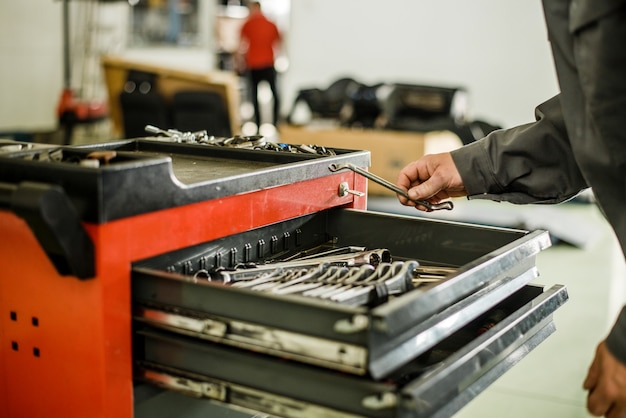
578	139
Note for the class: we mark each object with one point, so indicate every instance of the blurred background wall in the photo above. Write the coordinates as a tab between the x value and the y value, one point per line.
497	49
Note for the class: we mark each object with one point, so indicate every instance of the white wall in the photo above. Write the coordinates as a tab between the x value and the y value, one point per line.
31	74
497	49
31	47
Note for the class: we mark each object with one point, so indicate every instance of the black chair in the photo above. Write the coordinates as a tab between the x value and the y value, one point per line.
142	105
195	110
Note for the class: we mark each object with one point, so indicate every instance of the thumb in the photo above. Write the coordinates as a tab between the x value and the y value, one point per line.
426	190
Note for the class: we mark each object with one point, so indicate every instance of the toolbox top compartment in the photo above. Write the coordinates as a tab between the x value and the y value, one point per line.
150	174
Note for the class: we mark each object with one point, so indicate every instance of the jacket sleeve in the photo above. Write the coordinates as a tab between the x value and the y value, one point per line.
531	163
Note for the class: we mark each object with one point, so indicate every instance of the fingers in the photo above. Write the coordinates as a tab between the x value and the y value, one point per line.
606	383
592	375
616	412
598	404
418	189
433	178
427	189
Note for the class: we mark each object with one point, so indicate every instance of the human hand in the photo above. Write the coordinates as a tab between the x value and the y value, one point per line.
606	383
433	178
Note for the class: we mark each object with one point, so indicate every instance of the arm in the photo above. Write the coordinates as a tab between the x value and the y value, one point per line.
532	163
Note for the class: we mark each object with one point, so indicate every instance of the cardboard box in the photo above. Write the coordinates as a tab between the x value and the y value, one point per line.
390	150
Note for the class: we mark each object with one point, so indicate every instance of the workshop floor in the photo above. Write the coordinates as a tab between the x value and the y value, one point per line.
548	381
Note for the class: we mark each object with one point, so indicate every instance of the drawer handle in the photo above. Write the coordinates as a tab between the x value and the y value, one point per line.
344	190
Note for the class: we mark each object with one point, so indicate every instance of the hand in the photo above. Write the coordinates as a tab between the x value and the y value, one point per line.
606	383
433	178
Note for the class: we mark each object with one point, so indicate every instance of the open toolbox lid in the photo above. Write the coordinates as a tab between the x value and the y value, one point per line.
492	263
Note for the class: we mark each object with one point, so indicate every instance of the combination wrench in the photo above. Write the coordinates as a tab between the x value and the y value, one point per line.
376	179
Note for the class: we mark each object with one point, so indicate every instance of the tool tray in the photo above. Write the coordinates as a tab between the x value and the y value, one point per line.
426	351
148	174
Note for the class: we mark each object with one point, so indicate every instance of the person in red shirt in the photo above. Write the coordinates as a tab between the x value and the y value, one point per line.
258	38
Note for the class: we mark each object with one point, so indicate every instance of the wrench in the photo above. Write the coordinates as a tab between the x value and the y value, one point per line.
376	179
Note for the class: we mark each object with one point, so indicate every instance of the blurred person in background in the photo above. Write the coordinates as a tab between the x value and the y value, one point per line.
577	141
259	40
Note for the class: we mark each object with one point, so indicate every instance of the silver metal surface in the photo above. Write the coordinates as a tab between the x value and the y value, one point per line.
454	403
437	388
263	273
509	260
280	405
153	402
191	387
372	278
327	353
432	330
197	325
376	179
344	190
246	397
470	370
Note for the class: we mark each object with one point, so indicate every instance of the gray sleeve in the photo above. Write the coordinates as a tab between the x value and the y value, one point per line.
531	163
616	341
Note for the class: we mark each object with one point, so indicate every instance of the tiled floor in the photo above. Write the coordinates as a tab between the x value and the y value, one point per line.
548	381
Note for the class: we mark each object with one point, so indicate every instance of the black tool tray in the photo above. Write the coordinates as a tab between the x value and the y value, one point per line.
150	174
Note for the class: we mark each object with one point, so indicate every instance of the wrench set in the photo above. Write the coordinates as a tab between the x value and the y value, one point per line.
352	276
252	142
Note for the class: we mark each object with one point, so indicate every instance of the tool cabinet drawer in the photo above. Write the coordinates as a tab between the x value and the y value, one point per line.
437	383
351	311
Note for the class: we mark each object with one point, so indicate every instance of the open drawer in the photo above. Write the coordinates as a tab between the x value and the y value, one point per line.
437	383
465	313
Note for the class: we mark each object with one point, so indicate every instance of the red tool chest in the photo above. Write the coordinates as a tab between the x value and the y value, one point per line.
85	244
